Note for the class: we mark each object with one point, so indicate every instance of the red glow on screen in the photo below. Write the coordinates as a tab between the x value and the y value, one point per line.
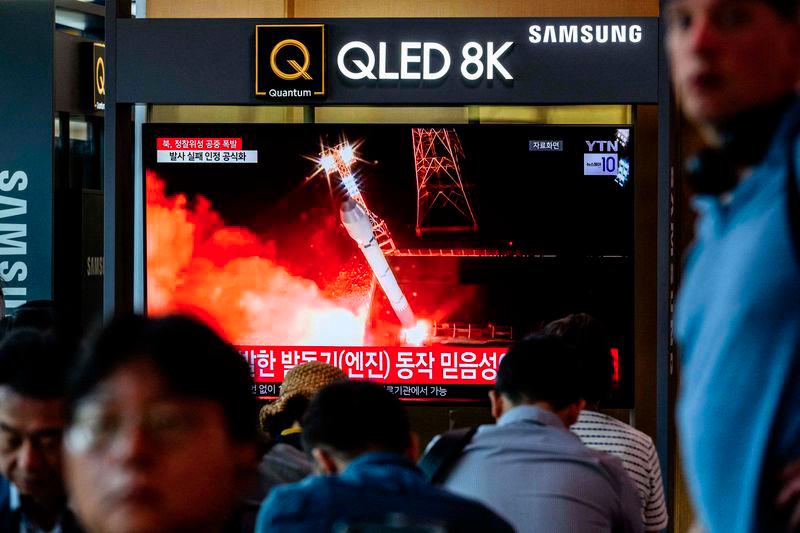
229	277
408	255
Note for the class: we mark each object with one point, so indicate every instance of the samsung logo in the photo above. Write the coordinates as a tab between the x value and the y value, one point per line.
14	237
587	33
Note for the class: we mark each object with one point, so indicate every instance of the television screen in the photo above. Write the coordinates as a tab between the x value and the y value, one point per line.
412	255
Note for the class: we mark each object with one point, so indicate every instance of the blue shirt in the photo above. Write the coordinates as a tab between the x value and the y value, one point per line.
373	488
539	476
738	327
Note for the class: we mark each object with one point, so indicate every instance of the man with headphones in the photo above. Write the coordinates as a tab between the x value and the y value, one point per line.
735	69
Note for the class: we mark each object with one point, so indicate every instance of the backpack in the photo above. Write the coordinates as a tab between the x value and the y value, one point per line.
443	454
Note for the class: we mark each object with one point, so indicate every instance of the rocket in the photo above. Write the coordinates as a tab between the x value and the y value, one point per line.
359	226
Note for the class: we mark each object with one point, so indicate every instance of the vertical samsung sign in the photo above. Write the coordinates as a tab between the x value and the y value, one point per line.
26	149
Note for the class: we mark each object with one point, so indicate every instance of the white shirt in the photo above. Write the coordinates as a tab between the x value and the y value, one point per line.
638	455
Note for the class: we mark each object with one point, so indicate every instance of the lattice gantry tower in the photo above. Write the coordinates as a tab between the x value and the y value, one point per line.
442	201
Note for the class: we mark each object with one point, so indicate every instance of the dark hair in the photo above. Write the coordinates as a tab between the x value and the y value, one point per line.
193	360
588	336
540	368
352	417
785	8
35	314
34	364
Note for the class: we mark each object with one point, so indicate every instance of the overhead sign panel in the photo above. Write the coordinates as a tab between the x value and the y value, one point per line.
390	61
497	61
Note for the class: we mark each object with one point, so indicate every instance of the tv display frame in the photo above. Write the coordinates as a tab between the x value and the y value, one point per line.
535	222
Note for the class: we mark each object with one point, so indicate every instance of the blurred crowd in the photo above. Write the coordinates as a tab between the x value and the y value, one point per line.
150	425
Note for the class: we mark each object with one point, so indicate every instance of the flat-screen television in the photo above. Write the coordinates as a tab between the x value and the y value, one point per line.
408	254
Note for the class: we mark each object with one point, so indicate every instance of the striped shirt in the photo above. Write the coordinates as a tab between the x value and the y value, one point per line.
638	455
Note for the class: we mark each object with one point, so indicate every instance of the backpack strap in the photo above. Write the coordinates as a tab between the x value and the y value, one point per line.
443	454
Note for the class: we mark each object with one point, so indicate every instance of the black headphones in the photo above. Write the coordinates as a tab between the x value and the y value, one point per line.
745	141
709	171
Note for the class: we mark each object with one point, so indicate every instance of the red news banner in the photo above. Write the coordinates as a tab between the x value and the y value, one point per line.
198	143
218	150
439	365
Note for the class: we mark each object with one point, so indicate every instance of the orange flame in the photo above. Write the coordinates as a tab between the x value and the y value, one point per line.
228	277
418	334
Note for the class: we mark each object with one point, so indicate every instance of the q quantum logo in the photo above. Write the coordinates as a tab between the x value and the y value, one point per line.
290	60
99	78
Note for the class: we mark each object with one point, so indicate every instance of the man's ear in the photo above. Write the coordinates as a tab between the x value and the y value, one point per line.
325	461
498	404
246	455
572	412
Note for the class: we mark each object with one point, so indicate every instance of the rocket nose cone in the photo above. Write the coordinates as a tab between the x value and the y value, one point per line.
350	211
356	222
348	205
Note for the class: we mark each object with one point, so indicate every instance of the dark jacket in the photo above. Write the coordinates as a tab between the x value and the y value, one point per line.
372	489
9	520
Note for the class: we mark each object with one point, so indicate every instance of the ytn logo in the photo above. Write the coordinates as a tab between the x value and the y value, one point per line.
603	146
